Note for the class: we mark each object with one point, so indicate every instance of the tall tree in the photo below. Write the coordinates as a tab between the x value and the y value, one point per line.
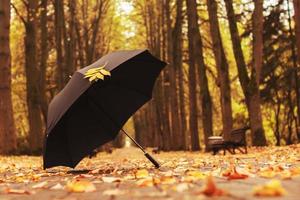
174	43
43	57
297	68
7	127
34	73
179	76
297	27
32	78
257	24
59	22
222	67
196	61
249	84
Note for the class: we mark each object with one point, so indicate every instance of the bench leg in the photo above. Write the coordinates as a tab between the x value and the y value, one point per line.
215	151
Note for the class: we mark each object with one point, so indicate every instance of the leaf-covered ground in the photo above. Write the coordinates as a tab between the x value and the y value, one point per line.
264	173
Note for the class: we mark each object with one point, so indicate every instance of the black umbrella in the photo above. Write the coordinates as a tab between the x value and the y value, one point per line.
86	115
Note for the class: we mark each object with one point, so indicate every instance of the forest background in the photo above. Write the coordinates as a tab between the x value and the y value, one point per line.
232	63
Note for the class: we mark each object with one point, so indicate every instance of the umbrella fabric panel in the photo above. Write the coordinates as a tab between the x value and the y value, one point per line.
138	74
87	129
56	151
76	86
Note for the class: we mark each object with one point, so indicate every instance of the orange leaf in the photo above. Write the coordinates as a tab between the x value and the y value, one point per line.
17	191
210	189
233	174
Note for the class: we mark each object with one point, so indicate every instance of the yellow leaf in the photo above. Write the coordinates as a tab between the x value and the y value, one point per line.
194	176
270	189
286	175
148	182
81	186
105	72
95	74
92	78
143	173
145	182
100	76
88	75
267	174
167	180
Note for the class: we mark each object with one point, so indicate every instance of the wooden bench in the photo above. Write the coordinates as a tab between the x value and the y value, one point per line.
237	140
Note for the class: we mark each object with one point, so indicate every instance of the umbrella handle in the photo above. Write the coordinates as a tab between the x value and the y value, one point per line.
154	162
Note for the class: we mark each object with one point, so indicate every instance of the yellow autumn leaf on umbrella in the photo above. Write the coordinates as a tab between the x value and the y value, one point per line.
270	189
96	74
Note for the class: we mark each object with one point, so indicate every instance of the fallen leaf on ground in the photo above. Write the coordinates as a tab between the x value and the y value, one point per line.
272	188
194	176
167	180
147	182
57	186
232	174
269	173
295	171
285	175
110	179
80	186
40	185
181	187
17	191
142	173
113	192
210	188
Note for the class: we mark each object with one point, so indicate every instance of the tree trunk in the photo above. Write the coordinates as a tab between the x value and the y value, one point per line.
296	56
192	31
297	27
177	63
70	43
7	127
196	51
178	142
43	58
222	68
59	17
257	23
249	86
32	76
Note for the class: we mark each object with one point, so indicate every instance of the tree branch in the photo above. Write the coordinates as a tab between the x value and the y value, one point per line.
18	14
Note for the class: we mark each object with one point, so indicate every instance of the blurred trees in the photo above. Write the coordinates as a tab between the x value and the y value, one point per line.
230	63
7	127
222	67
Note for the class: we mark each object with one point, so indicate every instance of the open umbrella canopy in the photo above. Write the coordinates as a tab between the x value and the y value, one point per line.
86	115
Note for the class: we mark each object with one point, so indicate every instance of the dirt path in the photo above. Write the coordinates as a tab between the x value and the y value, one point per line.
126	174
